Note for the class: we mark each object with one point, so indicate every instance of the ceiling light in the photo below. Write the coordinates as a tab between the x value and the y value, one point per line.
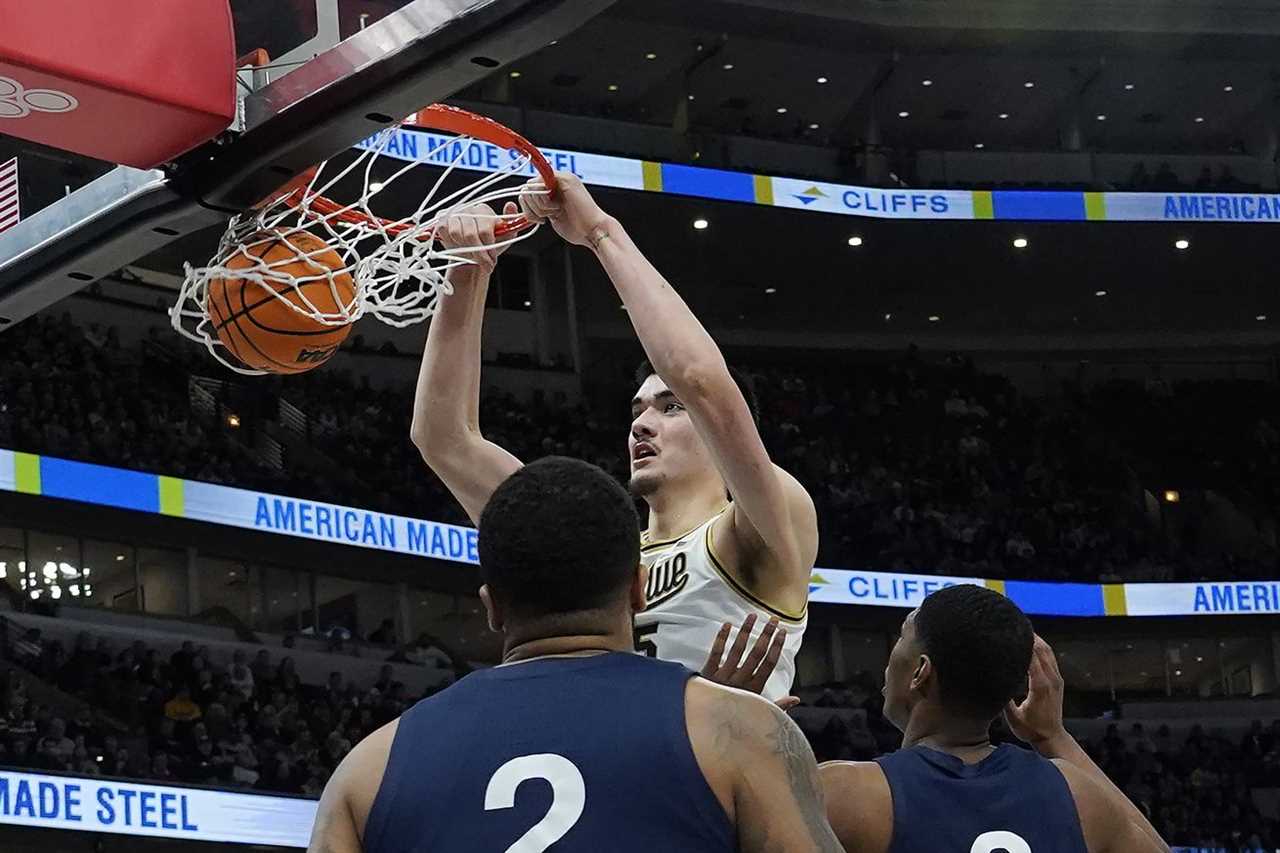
1261	318
514	74
979	145
1228	88
1099	293
233	421
888	317
728	66
1171	496
528	304
1019	242
376	186
781	110
771	290
933	318
613	87
1101	117
700	224
1002	116
1029	85
119	558
1199	659
903	114
822	79
1182	244
691	97
926	82
1177	672
1128	87
651	56
813	125
1199	119
855	241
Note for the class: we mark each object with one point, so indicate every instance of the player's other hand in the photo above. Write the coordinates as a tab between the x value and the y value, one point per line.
469	233
1037	719
753	672
571	210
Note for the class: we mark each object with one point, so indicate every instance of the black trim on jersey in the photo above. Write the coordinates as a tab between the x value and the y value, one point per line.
745	593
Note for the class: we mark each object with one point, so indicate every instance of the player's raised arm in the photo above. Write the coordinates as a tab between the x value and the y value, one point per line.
760	766
446	405
772	512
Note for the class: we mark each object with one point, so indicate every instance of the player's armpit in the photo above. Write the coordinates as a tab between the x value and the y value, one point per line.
777	800
859	805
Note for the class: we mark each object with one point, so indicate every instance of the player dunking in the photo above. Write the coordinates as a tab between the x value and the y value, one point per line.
573	744
731	537
961	659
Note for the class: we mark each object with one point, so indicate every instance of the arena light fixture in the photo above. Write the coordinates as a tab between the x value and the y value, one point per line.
515	75
888	317
926	82
1099	293
979	145
1171	496
781	110
1030	84
813	125
1177	672
1261	318
1002	116
528	304
1182	244
903	114
728	66
651	56
1128	87
771	290
691	97
1199	119
934	318
233	421
1228	88
119	558
1101	117
855	241
700	224
613	87
1020	242
822	79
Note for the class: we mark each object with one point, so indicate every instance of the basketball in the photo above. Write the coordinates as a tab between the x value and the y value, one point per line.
259	328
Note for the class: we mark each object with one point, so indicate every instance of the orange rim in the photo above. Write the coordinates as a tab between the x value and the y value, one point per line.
435	117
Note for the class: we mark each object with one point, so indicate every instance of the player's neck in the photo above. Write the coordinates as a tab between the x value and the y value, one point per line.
674	511
968	740
522	648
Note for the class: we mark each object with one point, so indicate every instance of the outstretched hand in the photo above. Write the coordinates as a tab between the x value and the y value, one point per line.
469	233
1037	719
752	673
571	210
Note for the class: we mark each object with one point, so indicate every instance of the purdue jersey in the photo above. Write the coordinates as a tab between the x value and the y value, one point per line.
689	596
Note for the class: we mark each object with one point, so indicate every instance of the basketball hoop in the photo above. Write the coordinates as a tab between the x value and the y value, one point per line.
398	267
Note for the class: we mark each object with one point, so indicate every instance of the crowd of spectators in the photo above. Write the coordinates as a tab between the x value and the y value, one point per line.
915	465
247	722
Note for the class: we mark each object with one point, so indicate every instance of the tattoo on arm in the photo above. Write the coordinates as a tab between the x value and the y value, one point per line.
802	774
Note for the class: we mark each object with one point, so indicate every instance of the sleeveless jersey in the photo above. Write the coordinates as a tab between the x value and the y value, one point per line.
575	755
1013	801
690	596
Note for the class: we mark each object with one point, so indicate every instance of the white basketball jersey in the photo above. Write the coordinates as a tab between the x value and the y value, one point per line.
690	596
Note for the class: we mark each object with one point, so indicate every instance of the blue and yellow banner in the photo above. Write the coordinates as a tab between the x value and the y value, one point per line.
602	170
362	528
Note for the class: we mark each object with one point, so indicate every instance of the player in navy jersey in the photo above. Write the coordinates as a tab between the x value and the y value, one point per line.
575	744
962	658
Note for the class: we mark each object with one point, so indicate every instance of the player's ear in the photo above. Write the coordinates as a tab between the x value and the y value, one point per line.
492	612
923	672
638	584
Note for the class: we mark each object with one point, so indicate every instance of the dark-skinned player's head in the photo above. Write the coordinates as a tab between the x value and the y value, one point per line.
559	551
962	654
663	445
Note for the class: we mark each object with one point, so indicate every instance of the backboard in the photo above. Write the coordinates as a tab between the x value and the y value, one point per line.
339	71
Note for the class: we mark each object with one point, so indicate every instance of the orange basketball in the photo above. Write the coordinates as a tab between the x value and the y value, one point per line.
259	329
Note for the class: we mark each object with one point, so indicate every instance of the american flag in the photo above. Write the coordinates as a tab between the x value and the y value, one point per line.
10	213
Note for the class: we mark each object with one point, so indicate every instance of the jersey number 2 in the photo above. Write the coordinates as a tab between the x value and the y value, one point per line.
1000	840
568	797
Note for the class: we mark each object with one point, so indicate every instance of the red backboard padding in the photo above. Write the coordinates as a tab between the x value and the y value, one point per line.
136	82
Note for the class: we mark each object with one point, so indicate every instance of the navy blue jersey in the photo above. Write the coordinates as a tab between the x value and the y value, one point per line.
1013	801
570	755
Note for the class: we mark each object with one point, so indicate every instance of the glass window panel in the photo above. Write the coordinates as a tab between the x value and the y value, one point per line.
283	599
110	580
53	564
357	607
164	581
224	584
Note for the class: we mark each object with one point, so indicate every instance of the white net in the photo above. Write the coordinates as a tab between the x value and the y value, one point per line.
398	267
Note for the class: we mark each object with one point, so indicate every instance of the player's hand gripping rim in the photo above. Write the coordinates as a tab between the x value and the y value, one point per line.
751	673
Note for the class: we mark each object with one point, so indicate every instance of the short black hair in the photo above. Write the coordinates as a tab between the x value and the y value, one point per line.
742	380
559	536
980	644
